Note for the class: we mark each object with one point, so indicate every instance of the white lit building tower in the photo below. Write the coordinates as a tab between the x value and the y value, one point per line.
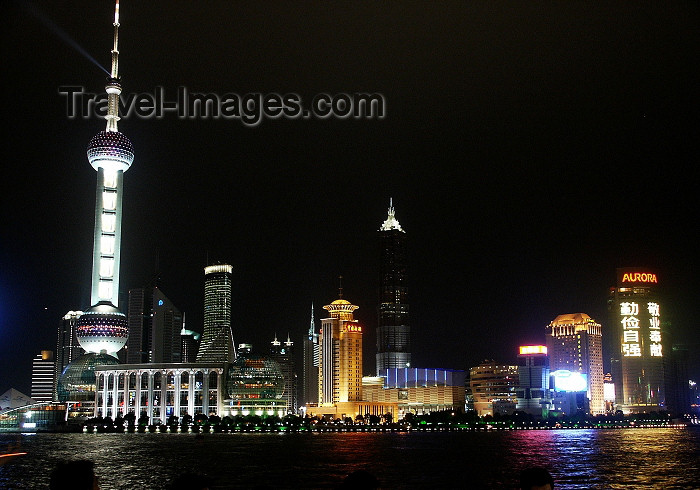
217	339
311	363
575	343
103	327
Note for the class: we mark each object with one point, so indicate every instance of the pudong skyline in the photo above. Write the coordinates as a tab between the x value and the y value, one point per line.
504	236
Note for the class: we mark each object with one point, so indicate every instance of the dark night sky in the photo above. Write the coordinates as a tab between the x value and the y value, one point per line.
530	150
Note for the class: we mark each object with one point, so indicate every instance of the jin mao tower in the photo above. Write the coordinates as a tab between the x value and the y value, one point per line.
393	332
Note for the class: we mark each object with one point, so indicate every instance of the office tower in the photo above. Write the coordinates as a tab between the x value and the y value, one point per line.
393	332
493	388
575	343
533	380
43	372
154	327
340	367
217	338
189	341
677	378
637	358
311	362
283	353
103	326
67	346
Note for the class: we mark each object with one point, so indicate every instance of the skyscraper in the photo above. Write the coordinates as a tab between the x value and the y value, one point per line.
67	345
575	343
217	338
43	372
311	362
103	326
340	369
283	353
154	327
533	380
637	357
393	332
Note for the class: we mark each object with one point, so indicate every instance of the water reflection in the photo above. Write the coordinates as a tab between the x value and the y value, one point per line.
576	458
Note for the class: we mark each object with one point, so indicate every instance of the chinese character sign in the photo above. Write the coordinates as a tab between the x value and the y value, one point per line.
641	329
654	330
631	344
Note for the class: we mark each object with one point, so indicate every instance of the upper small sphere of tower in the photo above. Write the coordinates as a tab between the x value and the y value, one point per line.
110	150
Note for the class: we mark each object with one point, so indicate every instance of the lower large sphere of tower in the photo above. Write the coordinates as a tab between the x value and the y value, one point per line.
102	328
110	150
255	378
77	381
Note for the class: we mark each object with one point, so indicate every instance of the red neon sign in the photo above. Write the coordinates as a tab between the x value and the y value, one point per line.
354	328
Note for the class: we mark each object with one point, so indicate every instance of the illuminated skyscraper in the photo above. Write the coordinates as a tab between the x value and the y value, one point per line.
533	381
340	369
637	358
217	338
311	362
103	326
393	332
43	372
67	346
575	343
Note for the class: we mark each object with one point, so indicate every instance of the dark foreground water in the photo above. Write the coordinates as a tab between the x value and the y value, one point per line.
629	458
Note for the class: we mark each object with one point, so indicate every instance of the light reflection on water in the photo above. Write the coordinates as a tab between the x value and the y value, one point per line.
578	459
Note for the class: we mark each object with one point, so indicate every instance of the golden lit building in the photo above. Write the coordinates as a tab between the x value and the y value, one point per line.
493	387
575	343
340	366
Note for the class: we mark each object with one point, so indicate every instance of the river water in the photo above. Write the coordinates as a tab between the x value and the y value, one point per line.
614	458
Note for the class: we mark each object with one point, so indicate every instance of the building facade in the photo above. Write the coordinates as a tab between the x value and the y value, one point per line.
217	338
340	366
160	390
494	387
312	356
393	331
67	345
283	354
43	372
575	343
637	360
533	393
155	325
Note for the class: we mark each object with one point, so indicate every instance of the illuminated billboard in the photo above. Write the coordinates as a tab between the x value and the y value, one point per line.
569	381
533	349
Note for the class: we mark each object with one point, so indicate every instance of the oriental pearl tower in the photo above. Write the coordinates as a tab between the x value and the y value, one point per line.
103	328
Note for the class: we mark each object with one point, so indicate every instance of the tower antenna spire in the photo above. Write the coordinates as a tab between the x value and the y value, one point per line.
340	287
113	87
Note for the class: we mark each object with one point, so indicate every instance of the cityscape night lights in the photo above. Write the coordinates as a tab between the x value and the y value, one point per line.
534	162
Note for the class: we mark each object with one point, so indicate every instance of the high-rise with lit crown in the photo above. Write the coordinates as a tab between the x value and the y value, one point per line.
103	327
340	370
575	343
637	353
217	338
393	331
